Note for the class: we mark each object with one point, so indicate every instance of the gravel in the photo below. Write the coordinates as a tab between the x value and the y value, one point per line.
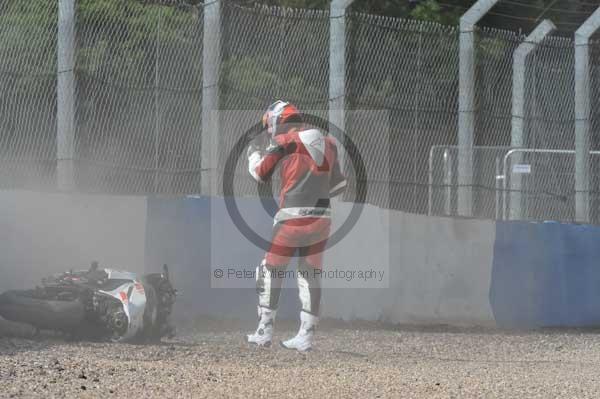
211	359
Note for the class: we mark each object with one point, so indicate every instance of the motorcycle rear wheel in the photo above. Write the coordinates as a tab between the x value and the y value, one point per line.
22	307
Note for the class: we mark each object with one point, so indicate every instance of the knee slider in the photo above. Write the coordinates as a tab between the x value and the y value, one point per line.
309	288
268	286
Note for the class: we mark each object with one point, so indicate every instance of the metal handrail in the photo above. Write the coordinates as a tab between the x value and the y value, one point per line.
528	151
430	175
500	174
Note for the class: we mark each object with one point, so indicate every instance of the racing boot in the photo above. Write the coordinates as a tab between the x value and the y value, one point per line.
264	332
302	342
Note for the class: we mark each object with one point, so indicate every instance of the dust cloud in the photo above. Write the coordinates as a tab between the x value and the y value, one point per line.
46	233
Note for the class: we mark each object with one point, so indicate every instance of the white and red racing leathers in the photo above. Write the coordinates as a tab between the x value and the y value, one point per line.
310	176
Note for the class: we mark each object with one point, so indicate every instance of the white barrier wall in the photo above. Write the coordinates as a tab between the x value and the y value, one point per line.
41	234
437	270
440	269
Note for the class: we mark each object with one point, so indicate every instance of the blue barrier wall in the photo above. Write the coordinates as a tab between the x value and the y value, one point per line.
546	274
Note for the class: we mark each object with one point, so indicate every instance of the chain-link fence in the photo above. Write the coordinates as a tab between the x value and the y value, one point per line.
268	53
138	80
410	69
138	102
28	32
138	97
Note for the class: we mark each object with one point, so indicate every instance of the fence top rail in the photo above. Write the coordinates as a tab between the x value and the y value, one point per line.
401	24
497	33
176	4
281	12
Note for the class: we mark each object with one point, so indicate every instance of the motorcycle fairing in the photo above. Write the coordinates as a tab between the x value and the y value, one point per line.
132	296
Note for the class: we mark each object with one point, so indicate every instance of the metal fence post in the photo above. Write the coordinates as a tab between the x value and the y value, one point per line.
211	63
430	207
582	116
498	194
65	91
337	64
466	111
157	107
517	138
448	164
416	105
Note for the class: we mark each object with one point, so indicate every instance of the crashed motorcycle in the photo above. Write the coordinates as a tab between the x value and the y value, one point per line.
99	304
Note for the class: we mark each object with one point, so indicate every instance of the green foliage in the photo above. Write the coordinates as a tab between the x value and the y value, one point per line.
312	4
27	29
120	40
382	7
493	48
248	75
430	10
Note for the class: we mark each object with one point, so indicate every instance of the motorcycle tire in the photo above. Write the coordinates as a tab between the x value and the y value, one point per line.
43	314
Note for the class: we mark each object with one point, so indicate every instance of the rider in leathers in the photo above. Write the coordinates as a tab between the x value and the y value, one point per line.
310	176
